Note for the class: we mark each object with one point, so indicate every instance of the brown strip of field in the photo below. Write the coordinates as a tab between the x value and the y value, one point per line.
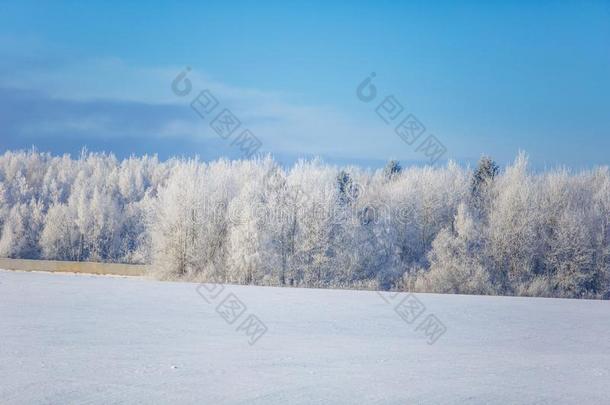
118	269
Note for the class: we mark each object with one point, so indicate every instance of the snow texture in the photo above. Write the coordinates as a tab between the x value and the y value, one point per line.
97	339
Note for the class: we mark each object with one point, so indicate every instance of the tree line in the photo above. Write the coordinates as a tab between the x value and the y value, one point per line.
429	229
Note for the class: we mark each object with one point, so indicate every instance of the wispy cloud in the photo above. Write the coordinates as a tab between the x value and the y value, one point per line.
109	98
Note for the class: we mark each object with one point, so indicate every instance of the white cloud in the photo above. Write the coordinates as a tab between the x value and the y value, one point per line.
283	126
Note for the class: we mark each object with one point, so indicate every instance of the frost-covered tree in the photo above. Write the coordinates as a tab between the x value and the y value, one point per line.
21	231
178	218
60	237
455	263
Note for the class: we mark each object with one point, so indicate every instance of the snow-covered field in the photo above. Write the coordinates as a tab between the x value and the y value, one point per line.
99	339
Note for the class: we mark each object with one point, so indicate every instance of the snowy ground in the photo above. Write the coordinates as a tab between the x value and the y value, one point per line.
96	339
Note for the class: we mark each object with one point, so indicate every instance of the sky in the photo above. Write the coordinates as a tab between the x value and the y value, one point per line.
488	78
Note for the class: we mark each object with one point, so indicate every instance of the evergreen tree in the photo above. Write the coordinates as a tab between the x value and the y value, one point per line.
482	180
392	169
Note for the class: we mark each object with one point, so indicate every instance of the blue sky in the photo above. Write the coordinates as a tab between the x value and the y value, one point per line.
483	77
